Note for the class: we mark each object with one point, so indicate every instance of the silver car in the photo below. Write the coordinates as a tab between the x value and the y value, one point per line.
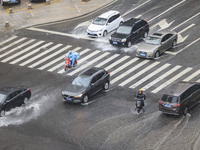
156	44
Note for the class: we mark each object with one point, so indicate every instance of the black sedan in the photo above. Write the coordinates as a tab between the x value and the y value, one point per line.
86	84
11	97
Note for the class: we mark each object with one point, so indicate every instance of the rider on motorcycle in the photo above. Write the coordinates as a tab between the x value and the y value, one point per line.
140	96
72	57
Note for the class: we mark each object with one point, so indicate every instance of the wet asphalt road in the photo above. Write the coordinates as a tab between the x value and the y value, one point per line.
108	123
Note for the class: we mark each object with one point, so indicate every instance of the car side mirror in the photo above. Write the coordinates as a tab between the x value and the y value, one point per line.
92	84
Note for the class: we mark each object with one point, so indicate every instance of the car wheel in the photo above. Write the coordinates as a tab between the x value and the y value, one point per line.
2	3
129	44
85	99
2	113
104	33
120	23
26	100
185	111
157	54
145	35
174	43
19	1
106	86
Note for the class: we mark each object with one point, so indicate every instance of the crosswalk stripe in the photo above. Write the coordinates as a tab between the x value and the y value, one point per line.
88	64
192	76
8	40
62	64
40	55
117	62
161	77
50	56
31	53
107	60
198	80
128	71
171	80
16	48
22	51
12	44
123	66
57	59
139	74
149	76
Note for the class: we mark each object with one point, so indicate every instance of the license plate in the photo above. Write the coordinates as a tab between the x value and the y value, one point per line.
91	33
114	42
13	0
69	99
142	54
167	105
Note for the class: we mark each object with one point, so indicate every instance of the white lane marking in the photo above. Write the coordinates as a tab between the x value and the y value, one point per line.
88	64
123	66
190	26
149	76
167	10
41	54
163	24
139	74
192	76
185	21
31	53
12	44
107	60
161	77
128	71
139	16
117	62
135	8
16	48
57	59
50	56
198	80
22	51
62	64
171	80
66	34
8	40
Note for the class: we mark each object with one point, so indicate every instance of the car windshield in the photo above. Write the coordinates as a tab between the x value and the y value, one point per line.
2	98
81	81
152	40
100	21
170	99
124	30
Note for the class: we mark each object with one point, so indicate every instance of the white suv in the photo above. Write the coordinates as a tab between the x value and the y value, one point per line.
105	23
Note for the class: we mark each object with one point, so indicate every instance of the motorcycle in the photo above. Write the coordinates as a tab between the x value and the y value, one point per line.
139	105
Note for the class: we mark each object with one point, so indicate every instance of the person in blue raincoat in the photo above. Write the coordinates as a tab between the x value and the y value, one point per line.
72	58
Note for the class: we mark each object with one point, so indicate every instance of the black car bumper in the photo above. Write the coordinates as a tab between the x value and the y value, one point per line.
71	99
169	111
117	43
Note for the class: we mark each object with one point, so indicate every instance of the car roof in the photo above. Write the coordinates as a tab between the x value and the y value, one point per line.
108	14
131	21
178	88
160	34
92	71
8	90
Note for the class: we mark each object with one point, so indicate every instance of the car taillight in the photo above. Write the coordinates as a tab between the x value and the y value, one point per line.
177	105
160	101
108	73
29	90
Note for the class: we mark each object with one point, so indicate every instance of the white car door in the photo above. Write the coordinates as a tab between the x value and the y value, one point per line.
110	24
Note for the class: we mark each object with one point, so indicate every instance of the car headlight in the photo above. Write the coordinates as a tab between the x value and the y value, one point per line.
110	38
123	40
78	96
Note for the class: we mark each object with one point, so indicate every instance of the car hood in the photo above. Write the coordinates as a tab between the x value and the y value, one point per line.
147	47
95	27
74	90
117	35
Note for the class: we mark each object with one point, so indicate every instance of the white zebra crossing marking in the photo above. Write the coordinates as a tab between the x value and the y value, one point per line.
16	48
107	60
192	76
128	71
50	56
139	74
62	64
198	80
87	65
40	55
149	76
117	62
8	40
171	80
23	51
161	77
12	44
123	66
31	53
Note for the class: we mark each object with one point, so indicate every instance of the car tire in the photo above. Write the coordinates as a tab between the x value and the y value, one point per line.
174	43
105	33
185	111
121	23
145	35
2	113
26	101
129	44
106	86
85	99
2	3
157	54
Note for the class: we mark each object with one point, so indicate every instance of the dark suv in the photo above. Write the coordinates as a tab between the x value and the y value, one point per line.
86	84
129	32
179	98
